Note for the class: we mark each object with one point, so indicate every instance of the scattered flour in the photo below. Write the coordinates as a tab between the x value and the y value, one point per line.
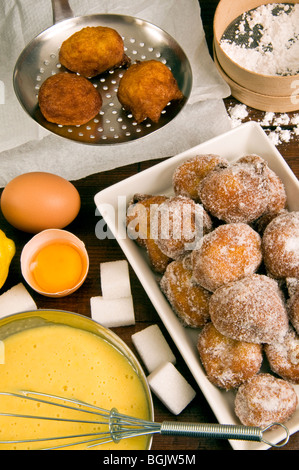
237	114
277	134
266	40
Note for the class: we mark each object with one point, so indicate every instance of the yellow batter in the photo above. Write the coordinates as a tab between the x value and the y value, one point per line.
66	361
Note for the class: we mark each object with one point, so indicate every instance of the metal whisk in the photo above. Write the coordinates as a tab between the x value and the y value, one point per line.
120	426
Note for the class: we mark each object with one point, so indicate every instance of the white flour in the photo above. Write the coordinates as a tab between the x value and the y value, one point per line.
237	113
277	134
267	42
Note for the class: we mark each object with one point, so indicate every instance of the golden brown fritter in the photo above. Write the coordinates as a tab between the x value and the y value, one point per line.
226	254
277	197
251	309
264	400
228	363
68	99
237	193
189	174
181	223
280	246
283	357
93	50
146	88
293	309
138	221
189	301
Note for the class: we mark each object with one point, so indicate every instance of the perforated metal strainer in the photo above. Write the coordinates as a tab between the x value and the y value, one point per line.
142	40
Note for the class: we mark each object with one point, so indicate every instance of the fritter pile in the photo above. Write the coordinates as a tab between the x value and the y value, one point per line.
235	279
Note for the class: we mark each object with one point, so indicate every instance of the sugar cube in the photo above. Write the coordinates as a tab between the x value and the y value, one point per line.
112	312
168	384
115	279
15	300
152	347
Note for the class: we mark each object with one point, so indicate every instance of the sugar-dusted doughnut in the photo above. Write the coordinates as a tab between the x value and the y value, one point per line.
283	357
138	222
292	285
228	253
251	309
280	245
238	193
189	174
264	400
190	302
262	222
138	216
180	222
293	308
227	362
277	197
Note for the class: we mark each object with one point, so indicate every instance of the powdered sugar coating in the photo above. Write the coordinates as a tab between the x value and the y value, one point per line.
138	222
238	193
226	254
292	285
189	174
264	400
251	309
293	309
138	216
283	357
280	244
261	223
180	223
277	198
189	301
227	362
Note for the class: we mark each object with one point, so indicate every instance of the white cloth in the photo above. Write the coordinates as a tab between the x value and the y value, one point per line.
26	146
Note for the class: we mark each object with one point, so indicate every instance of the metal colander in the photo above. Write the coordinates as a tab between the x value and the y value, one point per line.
142	41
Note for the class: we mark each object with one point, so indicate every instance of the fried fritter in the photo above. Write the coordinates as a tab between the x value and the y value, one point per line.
189	301
237	193
280	246
228	363
68	99
251	309
189	174
138	221
226	254
93	50
283	357
146	88
264	400
181	223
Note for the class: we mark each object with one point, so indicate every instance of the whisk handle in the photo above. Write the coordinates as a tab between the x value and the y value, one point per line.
219	431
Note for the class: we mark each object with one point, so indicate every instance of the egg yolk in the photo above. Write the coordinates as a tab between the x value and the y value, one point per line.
57	267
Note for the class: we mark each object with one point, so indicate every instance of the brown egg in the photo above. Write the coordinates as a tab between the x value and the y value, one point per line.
36	201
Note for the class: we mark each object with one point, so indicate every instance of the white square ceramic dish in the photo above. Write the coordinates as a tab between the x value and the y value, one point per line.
249	138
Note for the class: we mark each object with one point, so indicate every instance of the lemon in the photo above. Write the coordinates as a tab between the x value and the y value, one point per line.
7	252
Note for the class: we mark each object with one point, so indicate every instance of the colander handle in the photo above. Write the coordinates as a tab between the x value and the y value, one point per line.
221	431
61	10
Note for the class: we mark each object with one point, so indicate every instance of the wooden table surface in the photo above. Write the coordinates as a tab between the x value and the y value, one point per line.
108	250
